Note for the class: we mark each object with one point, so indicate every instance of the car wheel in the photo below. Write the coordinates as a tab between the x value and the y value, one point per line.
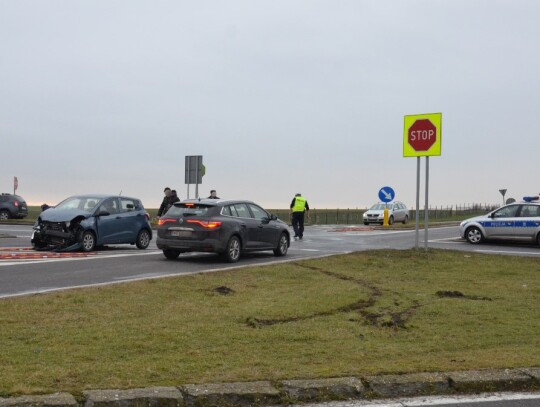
143	239
88	241
233	249
406	220
391	220
4	215
171	254
474	235
283	245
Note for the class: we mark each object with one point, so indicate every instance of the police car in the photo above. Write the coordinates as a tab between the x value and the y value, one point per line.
517	221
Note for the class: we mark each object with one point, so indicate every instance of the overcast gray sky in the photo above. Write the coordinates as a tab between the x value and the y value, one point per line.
278	96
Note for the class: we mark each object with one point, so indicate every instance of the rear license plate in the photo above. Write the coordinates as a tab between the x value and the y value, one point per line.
181	233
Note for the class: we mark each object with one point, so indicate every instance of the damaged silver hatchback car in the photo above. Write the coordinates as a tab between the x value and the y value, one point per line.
88	221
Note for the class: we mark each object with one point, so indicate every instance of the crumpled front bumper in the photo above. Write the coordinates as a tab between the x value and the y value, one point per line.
54	240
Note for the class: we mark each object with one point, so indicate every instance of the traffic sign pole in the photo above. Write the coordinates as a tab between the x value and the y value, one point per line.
386	194
417	228
426	207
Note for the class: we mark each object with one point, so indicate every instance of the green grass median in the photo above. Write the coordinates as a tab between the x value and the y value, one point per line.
364	313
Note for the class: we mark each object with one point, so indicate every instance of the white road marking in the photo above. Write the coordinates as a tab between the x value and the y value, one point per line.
448	240
436	401
431	400
305	250
395	232
99	256
507	252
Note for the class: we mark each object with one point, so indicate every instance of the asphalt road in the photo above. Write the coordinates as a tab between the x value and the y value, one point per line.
126	263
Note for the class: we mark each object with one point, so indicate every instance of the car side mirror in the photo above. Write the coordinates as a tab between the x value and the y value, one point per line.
273	217
103	212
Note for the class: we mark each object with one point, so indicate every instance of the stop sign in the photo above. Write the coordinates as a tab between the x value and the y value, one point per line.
422	135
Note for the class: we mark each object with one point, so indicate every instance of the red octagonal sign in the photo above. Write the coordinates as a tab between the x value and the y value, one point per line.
422	135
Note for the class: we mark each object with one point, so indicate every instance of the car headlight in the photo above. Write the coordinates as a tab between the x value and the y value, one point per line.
67	224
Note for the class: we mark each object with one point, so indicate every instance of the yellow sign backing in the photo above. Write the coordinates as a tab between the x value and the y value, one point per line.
422	135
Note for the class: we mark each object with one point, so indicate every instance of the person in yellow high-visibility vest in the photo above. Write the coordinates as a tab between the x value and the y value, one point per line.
299	206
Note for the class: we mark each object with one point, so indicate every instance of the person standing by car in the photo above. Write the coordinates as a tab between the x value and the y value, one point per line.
299	206
213	195
168	201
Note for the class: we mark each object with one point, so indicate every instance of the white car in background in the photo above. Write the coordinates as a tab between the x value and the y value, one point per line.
397	212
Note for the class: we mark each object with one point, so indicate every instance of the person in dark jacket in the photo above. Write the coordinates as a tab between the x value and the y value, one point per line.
213	195
168	201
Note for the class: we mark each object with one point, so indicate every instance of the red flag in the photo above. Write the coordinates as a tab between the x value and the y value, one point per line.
15	183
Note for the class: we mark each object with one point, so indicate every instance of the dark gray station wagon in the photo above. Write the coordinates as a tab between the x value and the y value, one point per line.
226	227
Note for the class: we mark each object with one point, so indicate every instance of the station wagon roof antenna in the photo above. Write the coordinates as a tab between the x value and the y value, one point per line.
120	194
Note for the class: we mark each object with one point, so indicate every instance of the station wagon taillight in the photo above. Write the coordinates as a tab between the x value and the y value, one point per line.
208	224
163	221
16	203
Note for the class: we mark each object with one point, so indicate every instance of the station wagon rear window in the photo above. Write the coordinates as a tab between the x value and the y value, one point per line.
189	209
380	207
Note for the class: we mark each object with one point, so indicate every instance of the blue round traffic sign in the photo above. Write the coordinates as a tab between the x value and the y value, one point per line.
386	194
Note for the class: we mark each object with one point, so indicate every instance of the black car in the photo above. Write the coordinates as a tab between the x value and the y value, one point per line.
226	227
12	206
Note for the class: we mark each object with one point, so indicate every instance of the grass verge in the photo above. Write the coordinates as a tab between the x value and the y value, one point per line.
364	313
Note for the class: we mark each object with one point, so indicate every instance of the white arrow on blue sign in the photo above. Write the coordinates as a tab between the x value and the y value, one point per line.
386	194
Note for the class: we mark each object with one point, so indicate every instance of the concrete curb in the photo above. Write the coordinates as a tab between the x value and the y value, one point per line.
414	384
231	394
343	388
285	392
154	396
49	400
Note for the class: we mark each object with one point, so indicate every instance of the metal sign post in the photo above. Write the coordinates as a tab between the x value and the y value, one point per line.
197	182
426	207
386	194
417	227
